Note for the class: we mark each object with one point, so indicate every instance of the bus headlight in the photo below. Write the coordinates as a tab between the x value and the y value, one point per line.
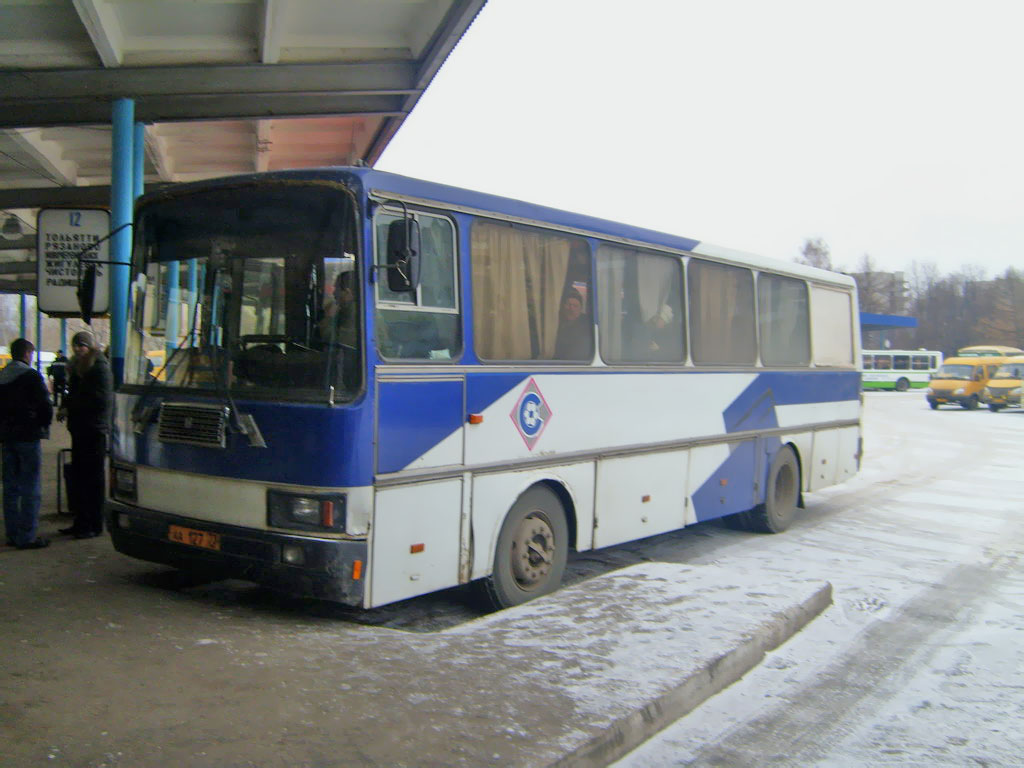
960	391
1015	392
308	512
929	391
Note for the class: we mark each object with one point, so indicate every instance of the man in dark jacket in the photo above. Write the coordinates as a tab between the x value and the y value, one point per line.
88	408
58	373
25	415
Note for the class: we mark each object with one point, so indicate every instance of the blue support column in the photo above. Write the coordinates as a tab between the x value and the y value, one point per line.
121	190
173	308
21	321
63	335
193	295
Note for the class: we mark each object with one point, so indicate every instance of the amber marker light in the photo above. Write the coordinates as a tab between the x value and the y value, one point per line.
476	418
327	513
416	548
357	570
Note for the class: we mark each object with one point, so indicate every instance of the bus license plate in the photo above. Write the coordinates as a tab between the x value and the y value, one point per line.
194	538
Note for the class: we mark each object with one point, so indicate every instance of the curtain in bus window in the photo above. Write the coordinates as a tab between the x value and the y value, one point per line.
640	315
721	314
784	319
832	327
519	278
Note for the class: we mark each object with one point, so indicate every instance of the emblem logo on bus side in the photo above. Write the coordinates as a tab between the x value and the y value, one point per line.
531	414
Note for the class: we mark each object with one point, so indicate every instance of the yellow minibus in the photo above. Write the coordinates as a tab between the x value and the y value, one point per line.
961	381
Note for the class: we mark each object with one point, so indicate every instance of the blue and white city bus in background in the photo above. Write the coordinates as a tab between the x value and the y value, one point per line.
376	387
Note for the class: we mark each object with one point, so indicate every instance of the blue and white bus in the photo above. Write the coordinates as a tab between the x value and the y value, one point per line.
376	387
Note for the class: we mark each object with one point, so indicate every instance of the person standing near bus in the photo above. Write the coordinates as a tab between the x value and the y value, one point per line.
58	374
25	415
88	408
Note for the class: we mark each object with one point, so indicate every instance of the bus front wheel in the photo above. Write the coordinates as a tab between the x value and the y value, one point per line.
902	385
779	508
532	549
971	403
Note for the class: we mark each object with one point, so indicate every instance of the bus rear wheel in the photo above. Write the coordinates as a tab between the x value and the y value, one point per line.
994	408
532	550
779	508
902	385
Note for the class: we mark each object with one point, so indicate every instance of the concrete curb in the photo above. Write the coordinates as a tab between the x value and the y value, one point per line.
720	672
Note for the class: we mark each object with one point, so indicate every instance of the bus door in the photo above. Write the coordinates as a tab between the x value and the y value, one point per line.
420	534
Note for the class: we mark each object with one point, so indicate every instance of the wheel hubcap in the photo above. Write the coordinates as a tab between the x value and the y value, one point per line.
532	552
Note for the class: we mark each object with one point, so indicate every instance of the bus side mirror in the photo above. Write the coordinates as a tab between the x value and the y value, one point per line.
403	255
87	292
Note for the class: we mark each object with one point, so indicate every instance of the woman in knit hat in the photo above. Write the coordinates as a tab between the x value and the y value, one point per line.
88	408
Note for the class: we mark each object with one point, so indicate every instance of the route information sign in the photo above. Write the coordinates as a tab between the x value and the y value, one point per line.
65	235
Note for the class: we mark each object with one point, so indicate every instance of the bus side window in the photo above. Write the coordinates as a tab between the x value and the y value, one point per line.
530	287
425	325
640	307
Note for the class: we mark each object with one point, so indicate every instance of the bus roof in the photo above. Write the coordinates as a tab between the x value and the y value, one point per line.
988	350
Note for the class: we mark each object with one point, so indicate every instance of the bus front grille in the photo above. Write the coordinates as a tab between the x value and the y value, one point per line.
194	424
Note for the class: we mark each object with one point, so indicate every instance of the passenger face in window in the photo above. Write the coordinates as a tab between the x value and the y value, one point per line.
572	308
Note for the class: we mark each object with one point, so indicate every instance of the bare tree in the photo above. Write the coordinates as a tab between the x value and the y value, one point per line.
1003	322
815	253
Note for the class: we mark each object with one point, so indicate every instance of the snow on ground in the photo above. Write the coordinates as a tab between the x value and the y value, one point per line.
920	661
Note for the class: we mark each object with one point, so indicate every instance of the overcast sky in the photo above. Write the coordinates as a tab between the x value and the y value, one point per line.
892	128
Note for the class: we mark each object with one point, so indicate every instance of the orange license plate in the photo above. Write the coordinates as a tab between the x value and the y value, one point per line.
194	538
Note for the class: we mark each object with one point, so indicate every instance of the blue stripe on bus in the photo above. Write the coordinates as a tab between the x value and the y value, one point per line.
413	417
484	389
791	388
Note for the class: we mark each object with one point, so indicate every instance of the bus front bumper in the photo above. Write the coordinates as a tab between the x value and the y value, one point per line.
948	398
1002	398
331	569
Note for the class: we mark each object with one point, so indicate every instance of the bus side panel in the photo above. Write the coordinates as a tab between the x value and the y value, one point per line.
724	479
494	494
848	461
640	496
414	541
824	457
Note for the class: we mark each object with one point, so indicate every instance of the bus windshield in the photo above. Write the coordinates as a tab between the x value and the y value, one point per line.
248	291
956	372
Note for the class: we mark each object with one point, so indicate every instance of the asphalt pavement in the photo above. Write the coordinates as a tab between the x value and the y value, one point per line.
109	661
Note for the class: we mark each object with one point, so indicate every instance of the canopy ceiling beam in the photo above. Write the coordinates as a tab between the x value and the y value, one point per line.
100	21
28	85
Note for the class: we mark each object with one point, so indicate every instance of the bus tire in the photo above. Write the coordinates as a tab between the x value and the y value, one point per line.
971	403
532	549
933	405
780	500
994	408
902	385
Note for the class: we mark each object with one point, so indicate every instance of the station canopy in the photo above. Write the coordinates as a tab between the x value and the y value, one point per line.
223	87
